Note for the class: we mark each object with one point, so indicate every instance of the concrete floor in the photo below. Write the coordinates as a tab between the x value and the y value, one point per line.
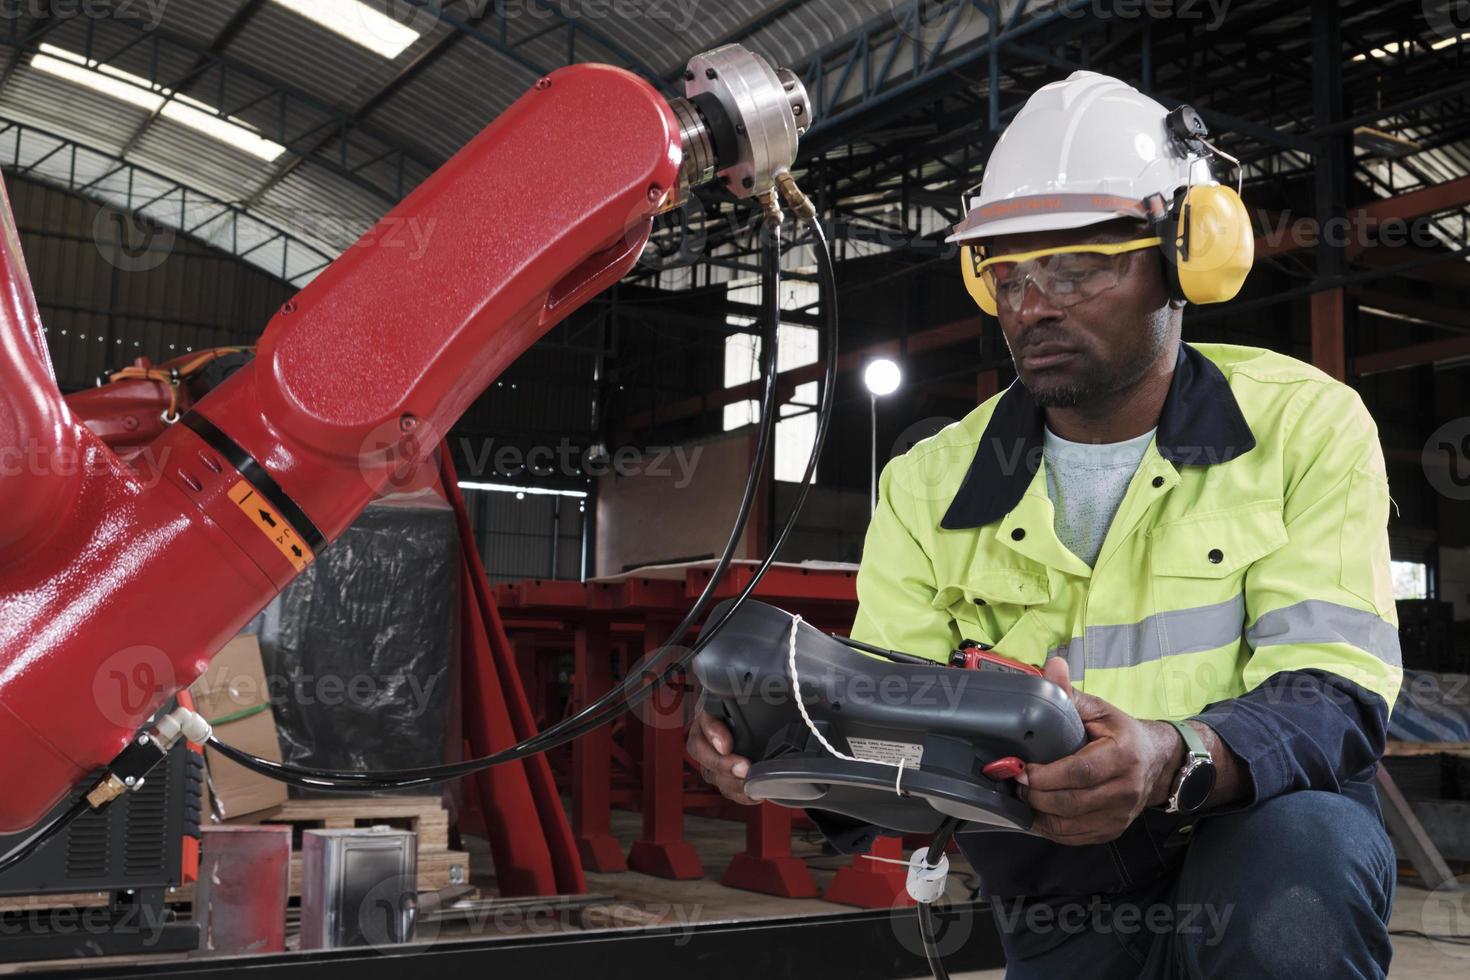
633	900
705	900
1413	958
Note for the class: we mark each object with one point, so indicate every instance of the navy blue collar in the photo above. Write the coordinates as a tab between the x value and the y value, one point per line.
1201	424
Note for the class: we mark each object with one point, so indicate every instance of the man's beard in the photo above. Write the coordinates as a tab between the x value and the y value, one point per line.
1097	382
1064	395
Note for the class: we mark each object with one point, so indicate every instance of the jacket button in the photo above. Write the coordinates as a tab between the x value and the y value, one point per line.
1018	534
1216	556
1158	481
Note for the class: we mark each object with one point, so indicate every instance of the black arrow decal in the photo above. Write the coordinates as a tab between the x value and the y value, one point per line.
265	515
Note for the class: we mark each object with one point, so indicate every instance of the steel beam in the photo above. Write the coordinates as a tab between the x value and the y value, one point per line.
1416	355
935	338
66	178
267	111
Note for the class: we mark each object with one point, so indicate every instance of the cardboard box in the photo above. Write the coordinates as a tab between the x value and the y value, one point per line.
232	695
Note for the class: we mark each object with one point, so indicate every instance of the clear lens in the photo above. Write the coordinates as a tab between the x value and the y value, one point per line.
1066	278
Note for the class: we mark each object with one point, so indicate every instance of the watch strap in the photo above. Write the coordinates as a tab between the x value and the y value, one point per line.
1193	744
1196	756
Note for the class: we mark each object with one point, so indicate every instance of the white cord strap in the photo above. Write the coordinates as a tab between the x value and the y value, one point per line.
811	726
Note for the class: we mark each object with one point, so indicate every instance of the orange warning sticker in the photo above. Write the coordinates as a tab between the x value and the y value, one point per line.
272	525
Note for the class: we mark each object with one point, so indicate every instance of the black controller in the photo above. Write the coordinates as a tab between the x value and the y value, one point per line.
945	724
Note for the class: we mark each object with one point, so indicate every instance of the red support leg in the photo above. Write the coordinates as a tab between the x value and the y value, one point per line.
528	665
873	884
767	864
592	757
662	850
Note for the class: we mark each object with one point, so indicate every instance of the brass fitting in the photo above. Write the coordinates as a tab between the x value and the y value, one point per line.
106	791
795	197
771	213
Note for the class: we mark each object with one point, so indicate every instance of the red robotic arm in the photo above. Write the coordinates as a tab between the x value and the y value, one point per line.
120	580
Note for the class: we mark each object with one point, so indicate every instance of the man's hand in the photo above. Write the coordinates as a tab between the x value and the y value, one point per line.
712	747
1091	796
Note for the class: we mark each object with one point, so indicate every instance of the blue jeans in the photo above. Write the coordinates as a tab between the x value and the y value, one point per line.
1297	887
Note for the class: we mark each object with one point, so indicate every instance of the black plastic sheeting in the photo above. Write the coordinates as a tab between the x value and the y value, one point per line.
361	652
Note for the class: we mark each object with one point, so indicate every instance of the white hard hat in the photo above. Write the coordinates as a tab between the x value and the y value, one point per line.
1081	151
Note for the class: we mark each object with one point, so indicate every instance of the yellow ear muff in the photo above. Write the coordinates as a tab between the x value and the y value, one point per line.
970	259
1213	245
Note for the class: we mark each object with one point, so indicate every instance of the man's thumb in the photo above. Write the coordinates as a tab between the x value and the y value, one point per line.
1056	671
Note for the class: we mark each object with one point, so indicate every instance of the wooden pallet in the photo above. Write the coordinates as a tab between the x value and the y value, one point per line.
439	867
424	815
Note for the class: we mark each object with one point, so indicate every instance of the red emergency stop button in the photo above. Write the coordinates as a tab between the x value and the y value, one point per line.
1007	767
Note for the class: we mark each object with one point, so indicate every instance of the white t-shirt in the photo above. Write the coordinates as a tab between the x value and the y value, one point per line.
1086	483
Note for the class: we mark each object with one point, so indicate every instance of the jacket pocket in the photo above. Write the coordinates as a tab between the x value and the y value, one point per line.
986	605
1218	545
1363	543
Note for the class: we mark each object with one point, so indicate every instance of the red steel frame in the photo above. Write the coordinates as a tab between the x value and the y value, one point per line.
542	613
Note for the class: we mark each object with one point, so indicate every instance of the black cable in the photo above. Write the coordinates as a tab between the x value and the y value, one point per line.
602	711
893	655
1434	937
942	837
931	944
53	827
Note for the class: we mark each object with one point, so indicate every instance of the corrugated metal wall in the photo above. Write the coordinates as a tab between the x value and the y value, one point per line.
112	289
532	537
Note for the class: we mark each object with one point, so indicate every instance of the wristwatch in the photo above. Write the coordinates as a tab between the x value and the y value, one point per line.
1196	777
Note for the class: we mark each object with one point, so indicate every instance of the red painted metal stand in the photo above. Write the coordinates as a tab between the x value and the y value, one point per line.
662	850
767	864
651	750
873	884
592	756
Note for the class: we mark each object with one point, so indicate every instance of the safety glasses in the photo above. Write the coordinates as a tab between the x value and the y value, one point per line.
1067	275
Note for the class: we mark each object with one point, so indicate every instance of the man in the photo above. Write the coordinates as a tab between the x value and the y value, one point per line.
1191	538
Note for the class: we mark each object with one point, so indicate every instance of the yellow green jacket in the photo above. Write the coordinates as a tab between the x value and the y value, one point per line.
1244	579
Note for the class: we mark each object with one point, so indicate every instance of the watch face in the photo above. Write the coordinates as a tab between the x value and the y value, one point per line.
1196	787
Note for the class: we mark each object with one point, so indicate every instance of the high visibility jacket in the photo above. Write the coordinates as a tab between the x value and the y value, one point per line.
1244	580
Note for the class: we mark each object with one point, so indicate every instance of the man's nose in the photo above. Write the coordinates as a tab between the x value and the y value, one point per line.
1036	306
